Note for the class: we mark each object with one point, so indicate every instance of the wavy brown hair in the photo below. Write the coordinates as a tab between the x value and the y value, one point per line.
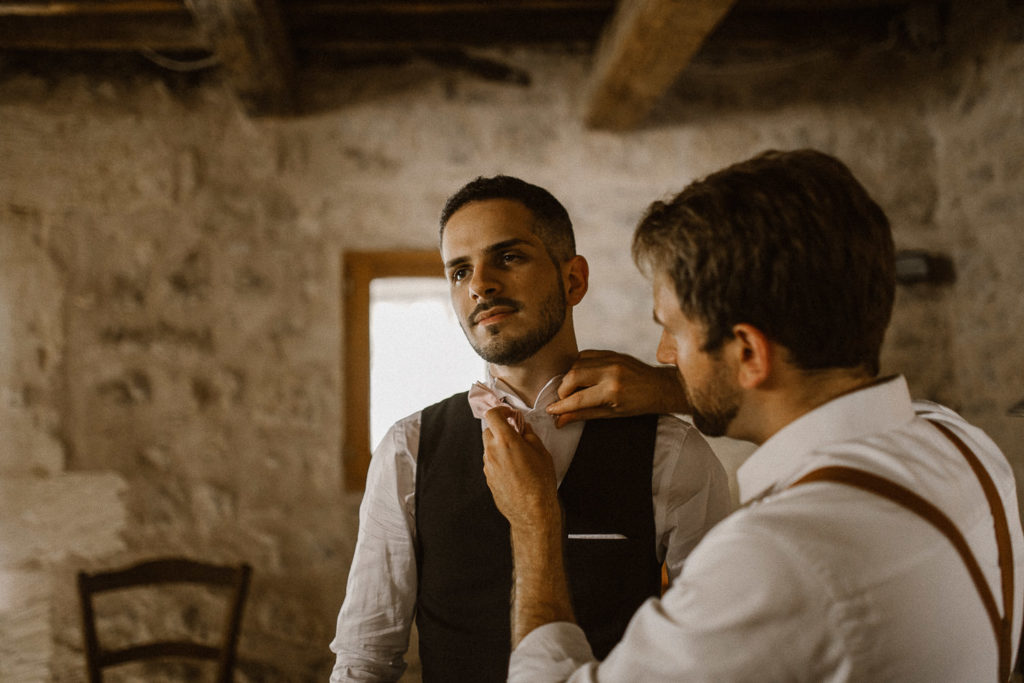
789	242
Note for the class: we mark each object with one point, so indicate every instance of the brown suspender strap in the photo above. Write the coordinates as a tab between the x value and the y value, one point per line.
1002	627
1002	531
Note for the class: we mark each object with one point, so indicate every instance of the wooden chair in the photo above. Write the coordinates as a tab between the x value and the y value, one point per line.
156	573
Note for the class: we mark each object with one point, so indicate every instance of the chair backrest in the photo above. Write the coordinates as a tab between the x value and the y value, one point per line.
234	579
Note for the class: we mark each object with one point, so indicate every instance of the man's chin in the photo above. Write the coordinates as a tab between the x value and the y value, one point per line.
504	352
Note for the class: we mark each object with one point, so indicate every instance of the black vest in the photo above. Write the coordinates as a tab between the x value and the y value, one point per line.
463	552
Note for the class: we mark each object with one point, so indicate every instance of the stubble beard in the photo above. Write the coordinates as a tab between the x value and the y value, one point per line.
502	349
716	405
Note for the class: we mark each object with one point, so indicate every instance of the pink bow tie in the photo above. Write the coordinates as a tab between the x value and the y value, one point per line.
482	399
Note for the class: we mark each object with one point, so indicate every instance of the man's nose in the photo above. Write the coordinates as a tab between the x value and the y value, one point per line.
483	284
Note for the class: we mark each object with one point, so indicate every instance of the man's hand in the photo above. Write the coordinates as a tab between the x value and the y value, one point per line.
521	477
609	384
520	473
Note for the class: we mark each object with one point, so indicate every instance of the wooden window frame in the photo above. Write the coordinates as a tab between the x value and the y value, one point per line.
359	268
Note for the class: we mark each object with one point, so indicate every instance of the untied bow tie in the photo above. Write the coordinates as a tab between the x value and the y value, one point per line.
482	398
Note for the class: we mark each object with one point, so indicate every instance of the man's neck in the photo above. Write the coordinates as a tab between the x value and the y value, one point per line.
797	393
527	379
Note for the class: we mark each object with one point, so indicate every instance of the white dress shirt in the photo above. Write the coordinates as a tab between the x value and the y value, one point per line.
824	582
690	494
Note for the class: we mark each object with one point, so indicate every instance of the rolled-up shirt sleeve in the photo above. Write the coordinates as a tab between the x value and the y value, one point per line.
554	652
376	616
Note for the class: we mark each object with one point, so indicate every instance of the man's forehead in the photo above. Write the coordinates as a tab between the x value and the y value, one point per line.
482	224
511	210
666	302
663	289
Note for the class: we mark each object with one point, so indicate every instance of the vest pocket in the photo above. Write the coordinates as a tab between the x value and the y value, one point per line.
608	581
600	567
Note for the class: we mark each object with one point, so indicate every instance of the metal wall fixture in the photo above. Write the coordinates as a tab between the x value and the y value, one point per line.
916	266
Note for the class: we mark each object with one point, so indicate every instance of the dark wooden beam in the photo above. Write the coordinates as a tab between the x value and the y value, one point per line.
78	8
355	26
827	5
91	25
350	7
794	28
170	32
645	47
249	38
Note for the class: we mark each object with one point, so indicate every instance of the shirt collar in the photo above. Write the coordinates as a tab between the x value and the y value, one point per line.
878	407
548	394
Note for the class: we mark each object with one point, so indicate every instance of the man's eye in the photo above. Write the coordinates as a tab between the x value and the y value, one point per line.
458	274
510	258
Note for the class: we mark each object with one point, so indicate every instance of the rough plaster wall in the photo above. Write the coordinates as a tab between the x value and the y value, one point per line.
31	347
979	124
169	289
203	327
47	515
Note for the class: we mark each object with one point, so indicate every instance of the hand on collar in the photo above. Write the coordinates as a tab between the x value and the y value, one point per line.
482	398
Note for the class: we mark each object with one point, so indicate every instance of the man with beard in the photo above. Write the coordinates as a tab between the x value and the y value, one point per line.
637	492
878	538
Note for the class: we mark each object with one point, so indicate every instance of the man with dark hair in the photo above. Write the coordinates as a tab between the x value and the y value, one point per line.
637	492
878	538
551	223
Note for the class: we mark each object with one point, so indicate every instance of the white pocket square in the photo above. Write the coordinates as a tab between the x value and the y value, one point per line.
598	537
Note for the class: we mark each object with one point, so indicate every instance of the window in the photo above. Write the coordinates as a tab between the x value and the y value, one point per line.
418	352
403	347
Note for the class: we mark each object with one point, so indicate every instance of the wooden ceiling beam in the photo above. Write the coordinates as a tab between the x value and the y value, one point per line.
794	27
249	38
645	47
162	31
74	8
457	32
828	5
351	7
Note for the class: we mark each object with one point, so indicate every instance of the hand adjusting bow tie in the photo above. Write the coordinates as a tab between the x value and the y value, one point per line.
482	399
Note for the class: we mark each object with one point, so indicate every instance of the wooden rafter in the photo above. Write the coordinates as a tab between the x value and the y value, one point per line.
114	25
645	47
249	38
81	8
645	44
171	32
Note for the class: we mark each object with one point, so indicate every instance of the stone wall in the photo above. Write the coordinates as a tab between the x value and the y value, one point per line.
48	514
979	130
170	326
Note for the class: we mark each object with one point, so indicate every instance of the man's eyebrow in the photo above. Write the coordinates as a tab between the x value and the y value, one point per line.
455	261
497	246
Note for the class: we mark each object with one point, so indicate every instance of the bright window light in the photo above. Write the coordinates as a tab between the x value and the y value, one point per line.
418	352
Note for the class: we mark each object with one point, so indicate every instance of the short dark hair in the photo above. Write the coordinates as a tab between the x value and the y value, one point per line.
789	242
551	221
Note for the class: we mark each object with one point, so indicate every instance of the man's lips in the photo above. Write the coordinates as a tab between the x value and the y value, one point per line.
493	315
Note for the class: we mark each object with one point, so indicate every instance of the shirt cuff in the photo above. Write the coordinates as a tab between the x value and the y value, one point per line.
549	653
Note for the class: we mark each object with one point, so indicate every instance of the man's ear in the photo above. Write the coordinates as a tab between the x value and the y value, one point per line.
755	355
576	272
